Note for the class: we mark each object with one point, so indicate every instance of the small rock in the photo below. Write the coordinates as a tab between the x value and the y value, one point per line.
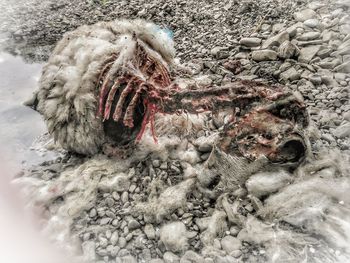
122	242
290	74
343	68
304	15
170	257
156	163
292	30
114	238
308	53
149	231
230	244
342	131
316	79
156	260
105	221
250	41
309	36
125	197
264	55
234	230
312	23
276	40
287	50
133	224
191	256
92	213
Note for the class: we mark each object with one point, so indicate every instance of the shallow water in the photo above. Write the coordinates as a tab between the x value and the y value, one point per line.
20	125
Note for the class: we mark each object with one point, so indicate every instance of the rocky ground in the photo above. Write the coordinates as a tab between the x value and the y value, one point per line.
304	45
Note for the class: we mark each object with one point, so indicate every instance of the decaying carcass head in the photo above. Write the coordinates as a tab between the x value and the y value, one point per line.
105	83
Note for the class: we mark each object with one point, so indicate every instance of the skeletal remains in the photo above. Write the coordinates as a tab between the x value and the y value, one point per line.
106	82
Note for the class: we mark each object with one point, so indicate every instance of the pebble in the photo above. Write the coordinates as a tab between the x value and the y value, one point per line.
276	40
308	53
114	238
290	74
287	50
309	36
191	256
250	42
133	224
230	244
125	197
150	231
92	213
264	55
312	23
122	242
170	257
343	68
342	131
304	15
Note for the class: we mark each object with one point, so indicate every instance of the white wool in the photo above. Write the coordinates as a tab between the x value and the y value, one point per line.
67	94
265	183
171	199
216	227
174	237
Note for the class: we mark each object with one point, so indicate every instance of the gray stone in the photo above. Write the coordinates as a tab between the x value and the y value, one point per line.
122	242
114	238
342	131
264	55
343	68
292	30
276	40
346	116
309	36
191	256
308	53
105	221
323	53
133	224
290	74
313	23
234	230
287	50
304	15
149	231
156	163
93	213
250	41
230	244
316	79
170	257
156	260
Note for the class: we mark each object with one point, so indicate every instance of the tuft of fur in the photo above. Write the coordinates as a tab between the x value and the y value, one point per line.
67	96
